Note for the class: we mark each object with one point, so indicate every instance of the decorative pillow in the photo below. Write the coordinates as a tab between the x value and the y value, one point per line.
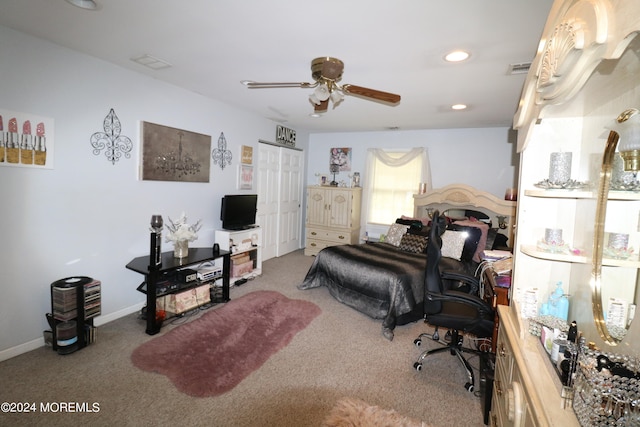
471	249
477	257
413	243
453	243
496	240
395	233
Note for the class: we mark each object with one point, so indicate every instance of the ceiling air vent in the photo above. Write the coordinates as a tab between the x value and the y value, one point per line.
521	68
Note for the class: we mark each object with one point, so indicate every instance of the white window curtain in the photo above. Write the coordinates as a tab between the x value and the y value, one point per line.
392	178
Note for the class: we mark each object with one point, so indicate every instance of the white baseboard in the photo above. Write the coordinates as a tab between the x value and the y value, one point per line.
21	349
37	343
101	320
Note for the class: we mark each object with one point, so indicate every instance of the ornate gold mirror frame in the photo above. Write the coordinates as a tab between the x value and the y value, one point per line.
631	156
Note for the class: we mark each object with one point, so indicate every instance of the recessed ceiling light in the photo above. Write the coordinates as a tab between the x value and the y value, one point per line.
456	56
84	4
458	107
315	115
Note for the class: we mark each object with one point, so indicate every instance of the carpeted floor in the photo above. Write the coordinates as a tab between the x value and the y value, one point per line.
341	353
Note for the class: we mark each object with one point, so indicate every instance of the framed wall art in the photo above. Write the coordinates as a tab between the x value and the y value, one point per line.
26	140
245	177
170	154
340	157
246	157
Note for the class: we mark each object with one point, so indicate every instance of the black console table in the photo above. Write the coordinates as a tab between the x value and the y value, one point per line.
169	263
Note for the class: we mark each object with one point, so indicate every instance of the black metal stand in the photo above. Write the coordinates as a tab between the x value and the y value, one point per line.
169	263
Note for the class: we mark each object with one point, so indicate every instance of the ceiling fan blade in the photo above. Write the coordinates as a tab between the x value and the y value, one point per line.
261	85
322	107
378	95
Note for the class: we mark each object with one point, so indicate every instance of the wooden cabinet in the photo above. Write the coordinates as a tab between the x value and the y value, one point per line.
526	390
333	217
583	77
496	295
573	111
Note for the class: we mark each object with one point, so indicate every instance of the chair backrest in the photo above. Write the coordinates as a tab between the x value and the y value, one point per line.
432	279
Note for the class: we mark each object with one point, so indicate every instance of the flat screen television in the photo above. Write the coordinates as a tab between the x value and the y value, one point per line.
238	211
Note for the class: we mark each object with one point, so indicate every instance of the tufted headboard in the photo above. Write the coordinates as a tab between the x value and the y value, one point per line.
465	197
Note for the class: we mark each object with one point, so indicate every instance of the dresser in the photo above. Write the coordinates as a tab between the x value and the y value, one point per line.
526	389
333	217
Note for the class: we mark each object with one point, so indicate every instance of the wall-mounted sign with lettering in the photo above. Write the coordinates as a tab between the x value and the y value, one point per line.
285	136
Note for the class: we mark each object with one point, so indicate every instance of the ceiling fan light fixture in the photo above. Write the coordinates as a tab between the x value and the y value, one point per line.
457	56
84	4
314	99
336	98
322	92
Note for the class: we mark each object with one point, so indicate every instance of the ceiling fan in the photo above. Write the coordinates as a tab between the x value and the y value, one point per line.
327	73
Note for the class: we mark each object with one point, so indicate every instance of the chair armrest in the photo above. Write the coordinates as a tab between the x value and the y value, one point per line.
462	298
474	284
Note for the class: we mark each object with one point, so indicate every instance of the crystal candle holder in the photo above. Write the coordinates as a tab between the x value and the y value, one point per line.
618	241
560	168
553	236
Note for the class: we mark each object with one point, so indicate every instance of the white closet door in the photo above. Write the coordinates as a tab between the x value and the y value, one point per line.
291	163
280	175
268	185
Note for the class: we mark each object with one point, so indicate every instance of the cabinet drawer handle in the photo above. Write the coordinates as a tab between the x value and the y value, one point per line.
313	233
313	244
494	420
340	237
498	387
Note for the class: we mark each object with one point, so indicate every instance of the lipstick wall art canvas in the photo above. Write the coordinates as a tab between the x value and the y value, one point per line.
170	154
26	140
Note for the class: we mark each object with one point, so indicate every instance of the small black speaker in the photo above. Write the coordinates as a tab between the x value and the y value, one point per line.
216	249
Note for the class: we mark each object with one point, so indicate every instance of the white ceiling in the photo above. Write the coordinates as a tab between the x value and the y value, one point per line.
393	46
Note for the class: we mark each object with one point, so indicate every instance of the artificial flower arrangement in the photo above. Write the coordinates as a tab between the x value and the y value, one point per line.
179	230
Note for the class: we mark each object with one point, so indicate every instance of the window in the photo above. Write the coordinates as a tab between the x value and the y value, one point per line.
394	177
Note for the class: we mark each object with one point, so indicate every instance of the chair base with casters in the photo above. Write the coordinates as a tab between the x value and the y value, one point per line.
454	346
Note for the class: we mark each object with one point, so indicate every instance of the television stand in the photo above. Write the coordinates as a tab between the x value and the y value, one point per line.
169	264
246	251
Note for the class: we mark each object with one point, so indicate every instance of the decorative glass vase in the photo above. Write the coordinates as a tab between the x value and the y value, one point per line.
181	249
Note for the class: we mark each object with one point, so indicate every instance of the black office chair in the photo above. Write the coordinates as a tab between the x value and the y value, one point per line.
454	310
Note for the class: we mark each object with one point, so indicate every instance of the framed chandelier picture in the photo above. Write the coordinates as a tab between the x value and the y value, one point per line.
170	154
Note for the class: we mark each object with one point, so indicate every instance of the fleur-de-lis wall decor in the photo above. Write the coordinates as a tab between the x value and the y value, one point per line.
114	144
221	156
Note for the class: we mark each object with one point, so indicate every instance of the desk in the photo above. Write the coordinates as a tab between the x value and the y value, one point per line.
169	263
496	295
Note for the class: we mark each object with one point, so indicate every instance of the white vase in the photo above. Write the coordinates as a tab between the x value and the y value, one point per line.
181	249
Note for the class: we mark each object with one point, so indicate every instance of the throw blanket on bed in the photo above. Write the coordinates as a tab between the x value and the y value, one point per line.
377	279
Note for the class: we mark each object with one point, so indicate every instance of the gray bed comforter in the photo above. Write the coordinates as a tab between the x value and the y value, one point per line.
377	279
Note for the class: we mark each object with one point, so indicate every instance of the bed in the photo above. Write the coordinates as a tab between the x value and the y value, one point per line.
385	280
